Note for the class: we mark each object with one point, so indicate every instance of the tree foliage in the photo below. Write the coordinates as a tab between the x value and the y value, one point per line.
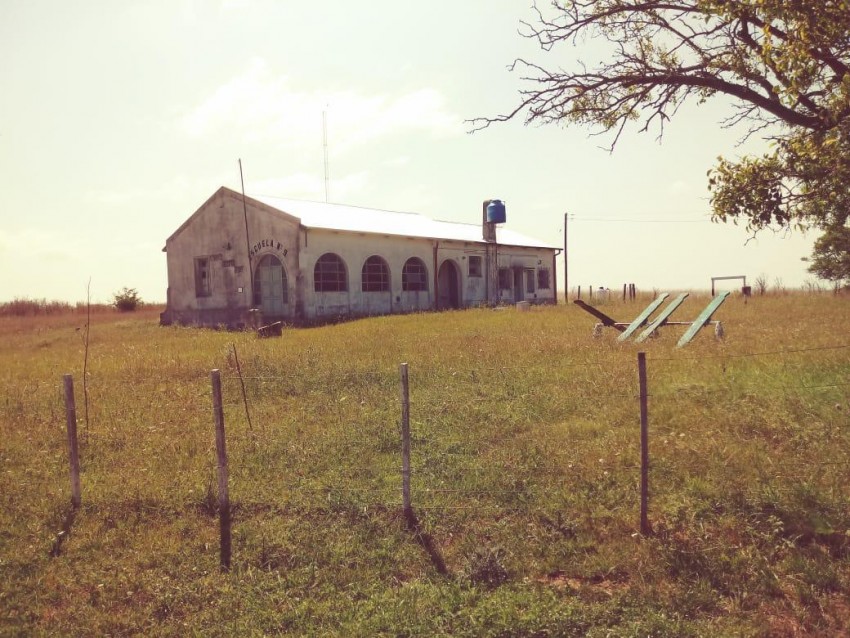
783	63
831	258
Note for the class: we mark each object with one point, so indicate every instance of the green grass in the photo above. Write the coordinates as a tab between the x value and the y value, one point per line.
525	455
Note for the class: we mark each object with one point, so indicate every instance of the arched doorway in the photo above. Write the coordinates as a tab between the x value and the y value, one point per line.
448	284
270	286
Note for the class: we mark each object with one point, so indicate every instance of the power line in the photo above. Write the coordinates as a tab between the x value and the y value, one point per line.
639	221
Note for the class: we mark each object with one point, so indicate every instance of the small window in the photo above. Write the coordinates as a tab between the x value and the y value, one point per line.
203	282
329	274
414	275
529	280
475	266
543	278
504	278
376	275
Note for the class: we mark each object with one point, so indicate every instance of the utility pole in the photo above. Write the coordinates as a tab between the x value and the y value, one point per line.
247	238
566	259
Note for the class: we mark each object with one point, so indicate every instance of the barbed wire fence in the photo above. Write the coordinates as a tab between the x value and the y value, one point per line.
452	443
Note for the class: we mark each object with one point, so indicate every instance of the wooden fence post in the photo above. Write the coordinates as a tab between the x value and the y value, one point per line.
221	451
405	440
73	449
644	446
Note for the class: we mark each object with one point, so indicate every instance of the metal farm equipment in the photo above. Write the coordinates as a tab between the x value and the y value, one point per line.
662	319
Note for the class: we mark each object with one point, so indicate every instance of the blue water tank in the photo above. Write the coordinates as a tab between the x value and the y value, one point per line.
496	212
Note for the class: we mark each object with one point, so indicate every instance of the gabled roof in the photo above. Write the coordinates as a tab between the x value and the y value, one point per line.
224	191
384	222
356	219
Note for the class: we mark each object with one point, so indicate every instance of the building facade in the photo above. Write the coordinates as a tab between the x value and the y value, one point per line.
238	262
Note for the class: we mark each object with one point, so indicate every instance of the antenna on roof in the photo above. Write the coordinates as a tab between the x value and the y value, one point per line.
325	144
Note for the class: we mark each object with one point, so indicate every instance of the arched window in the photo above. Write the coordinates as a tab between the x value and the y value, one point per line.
329	274
414	275
376	275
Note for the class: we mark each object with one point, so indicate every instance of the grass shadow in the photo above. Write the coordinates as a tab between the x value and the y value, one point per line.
67	523
426	541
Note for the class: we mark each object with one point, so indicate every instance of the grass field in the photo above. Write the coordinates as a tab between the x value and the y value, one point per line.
525	473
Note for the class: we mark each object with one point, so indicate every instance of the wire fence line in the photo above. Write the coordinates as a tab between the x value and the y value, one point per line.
201	378
477	453
764	353
713	391
453	465
486	394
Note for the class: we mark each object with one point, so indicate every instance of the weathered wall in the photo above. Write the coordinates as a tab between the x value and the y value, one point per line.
478	290
217	232
355	249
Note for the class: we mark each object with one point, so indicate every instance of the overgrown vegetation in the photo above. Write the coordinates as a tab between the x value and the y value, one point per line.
524	483
127	299
831	256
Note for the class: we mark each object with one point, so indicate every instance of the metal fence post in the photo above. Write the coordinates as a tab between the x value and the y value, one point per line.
644	446
405	440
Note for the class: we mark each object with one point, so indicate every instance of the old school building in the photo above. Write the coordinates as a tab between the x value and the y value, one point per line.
236	261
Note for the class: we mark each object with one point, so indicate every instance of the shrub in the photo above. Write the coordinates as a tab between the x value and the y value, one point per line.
486	566
127	299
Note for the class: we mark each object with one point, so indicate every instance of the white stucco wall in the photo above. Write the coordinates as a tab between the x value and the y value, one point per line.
355	249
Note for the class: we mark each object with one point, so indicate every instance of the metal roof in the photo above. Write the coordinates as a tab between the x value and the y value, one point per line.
385	222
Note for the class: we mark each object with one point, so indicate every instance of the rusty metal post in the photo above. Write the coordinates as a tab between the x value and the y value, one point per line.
405	440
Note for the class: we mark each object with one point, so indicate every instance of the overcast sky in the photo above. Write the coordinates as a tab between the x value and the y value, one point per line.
119	119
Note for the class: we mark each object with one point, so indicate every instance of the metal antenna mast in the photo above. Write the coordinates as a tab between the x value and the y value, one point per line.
325	143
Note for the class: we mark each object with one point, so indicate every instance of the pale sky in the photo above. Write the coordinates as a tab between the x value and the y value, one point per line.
119	119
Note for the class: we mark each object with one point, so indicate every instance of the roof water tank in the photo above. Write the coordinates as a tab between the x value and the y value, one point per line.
496	212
